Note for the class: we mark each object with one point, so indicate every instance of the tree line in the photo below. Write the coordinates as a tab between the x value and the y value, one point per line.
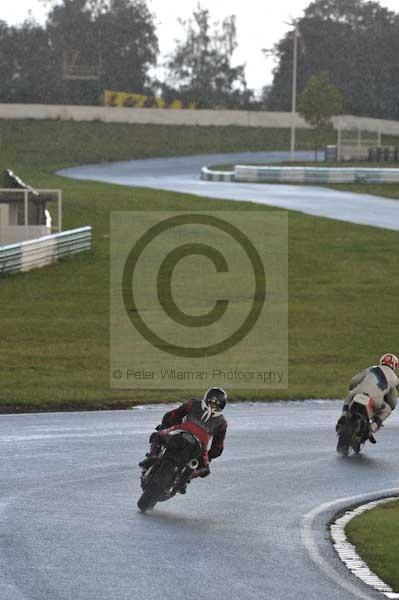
357	43
87	46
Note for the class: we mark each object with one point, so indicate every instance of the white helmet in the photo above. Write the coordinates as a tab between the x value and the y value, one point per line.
390	360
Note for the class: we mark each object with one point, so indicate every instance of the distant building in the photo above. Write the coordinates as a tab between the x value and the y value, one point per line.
24	214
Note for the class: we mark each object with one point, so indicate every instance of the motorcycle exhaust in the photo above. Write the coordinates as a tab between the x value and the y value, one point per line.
193	464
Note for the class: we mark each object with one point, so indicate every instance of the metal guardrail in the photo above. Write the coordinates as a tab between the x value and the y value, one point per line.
211	175
309	175
315	175
43	251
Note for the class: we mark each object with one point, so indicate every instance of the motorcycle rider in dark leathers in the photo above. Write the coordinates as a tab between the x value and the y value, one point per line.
204	419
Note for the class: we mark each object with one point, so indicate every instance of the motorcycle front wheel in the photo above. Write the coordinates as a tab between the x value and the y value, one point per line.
163	478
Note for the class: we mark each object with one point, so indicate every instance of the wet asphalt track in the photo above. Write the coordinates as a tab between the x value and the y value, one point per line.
70	530
182	175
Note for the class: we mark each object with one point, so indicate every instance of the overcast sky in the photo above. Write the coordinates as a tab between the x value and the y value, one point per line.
260	24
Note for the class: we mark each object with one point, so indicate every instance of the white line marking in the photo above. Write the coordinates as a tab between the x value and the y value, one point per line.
309	541
347	552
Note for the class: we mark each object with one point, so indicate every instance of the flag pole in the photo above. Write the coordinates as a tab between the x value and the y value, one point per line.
293	104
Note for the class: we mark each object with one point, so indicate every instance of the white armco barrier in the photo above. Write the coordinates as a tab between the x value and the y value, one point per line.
168	116
210	175
314	175
43	251
152	116
311	175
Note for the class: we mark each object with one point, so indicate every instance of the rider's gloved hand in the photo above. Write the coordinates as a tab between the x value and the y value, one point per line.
376	424
159	427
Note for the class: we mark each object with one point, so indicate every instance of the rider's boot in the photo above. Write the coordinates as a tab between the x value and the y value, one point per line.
151	456
374	426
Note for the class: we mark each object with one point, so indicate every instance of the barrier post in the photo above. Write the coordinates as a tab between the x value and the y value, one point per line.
25	207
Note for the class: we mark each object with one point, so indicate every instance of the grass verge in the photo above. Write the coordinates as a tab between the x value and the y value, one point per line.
55	321
51	145
375	534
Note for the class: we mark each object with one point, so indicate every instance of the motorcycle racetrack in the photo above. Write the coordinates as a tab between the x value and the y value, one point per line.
256	528
182	174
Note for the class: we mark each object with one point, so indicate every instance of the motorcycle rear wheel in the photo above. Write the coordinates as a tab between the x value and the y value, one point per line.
344	439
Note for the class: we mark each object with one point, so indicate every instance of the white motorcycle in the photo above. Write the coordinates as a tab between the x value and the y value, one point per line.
355	429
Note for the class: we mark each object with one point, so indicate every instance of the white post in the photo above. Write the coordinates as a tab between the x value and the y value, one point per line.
293	104
25	207
59	212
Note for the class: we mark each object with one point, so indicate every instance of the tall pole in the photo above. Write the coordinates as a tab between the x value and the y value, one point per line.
293	105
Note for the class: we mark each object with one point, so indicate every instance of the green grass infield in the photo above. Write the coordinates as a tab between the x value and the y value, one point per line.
375	533
54	351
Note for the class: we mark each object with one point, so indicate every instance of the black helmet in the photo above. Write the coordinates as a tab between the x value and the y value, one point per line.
216	395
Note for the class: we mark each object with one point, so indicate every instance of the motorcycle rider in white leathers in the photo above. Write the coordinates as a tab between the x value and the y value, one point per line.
380	384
